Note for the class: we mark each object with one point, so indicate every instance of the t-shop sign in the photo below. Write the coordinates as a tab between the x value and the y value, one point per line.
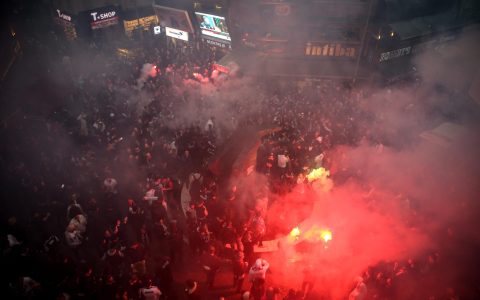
103	18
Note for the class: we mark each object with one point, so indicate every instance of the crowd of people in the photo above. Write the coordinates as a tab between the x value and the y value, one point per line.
99	184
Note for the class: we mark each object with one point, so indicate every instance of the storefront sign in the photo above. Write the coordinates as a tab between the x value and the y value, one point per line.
212	25
144	23
173	18
99	17
176	33
331	49
66	22
64	16
218	44
395	53
103	17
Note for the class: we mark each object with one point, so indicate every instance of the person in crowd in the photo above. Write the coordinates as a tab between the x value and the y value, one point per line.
79	222
73	236
192	290
164	275
240	269
210	264
360	290
257	291
258	228
273	293
74	208
130	290
135	258
150	291
82	119
258	270
176	242
109	288
114	260
110	185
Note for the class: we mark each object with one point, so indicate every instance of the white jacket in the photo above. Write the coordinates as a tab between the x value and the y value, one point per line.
258	270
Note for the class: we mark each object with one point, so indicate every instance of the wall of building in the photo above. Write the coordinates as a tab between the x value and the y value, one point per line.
77	6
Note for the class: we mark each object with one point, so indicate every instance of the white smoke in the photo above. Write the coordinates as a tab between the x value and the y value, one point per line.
148	71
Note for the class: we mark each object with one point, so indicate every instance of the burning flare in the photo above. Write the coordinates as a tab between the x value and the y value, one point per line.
326	235
318	174
316	234
319	179
295	232
294	235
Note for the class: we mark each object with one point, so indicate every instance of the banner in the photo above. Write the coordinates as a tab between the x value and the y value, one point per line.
173	18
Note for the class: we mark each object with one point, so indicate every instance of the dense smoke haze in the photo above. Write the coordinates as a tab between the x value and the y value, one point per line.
406	196
399	193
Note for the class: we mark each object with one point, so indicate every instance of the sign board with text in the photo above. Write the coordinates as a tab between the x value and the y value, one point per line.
217	43
67	22
395	53
64	16
213	26
103	17
176	33
173	18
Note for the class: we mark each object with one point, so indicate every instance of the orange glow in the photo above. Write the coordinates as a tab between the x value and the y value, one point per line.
318	174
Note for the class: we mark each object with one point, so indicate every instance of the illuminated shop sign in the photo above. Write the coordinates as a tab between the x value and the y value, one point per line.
395	53
173	18
103	17
214	26
99	17
330	49
66	22
145	23
64	16
176	33
218	44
